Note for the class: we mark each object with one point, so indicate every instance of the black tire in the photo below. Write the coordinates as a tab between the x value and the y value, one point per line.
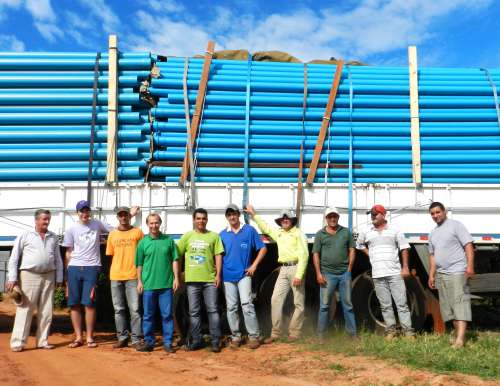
367	307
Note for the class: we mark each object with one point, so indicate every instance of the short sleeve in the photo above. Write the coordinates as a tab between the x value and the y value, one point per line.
110	250
182	244
69	241
139	255
257	242
218	247
105	227
317	243
352	243
175	255
463	234
361	241
402	240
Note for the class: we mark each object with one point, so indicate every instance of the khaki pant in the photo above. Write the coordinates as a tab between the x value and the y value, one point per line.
280	292
38	289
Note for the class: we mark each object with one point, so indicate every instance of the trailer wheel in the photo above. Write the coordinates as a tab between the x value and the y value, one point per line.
367	307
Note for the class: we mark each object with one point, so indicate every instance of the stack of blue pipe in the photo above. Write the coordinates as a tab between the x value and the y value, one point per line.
459	127
46	115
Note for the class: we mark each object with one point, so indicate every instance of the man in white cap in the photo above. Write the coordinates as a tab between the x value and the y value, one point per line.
333	256
35	265
382	243
293	256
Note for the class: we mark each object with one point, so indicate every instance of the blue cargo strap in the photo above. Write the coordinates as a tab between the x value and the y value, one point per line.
247	137
495	95
349	197
92	127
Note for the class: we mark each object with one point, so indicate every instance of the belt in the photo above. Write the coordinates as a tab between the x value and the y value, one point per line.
289	263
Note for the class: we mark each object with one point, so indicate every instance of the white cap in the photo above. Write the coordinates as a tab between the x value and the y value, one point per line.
330	210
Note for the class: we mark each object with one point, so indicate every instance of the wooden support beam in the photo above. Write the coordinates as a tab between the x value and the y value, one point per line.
414	116
325	122
111	171
200	100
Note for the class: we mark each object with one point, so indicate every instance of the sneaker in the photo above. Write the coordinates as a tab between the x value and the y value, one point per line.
17	349
168	349
121	343
215	347
48	346
253	343
195	346
235	343
145	348
292	339
136	344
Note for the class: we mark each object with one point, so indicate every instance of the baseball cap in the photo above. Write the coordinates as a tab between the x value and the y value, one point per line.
232	208
330	210
377	209
82	205
122	209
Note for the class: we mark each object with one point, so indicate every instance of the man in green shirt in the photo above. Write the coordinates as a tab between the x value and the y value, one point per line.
203	263
293	255
157	276
333	256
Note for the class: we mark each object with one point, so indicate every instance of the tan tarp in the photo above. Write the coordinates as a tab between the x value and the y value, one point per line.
272	56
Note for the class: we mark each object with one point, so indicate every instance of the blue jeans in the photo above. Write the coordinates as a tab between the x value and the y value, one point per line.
124	293
343	281
164	299
236	292
209	292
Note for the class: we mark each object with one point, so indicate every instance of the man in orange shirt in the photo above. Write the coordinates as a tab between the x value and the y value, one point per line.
121	246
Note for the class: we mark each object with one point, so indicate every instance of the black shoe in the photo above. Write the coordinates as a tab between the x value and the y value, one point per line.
215	347
145	348
121	343
168	348
195	346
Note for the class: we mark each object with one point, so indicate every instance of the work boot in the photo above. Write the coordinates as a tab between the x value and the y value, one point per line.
235	343
121	343
194	346
215	347
253	343
145	348
168	349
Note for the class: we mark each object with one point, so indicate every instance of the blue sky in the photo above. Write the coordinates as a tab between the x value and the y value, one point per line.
449	33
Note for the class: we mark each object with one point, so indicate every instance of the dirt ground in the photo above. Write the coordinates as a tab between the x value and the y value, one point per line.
278	364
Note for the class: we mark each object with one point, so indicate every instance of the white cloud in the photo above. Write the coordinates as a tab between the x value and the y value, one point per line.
165	6
370	27
49	31
40	10
11	43
100	10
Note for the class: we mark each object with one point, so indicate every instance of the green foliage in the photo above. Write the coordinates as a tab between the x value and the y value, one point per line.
480	356
59	298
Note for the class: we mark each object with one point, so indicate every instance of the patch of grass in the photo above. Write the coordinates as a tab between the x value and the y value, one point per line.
480	356
336	367
59	298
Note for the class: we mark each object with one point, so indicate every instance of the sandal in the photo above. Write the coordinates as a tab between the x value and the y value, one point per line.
91	344
75	344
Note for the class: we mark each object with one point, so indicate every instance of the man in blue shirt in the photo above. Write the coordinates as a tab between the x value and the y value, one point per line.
240	243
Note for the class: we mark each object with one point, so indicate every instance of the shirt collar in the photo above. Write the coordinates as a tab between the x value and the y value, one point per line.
230	230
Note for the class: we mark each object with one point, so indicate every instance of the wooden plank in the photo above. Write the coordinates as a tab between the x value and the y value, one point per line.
111	171
200	100
414	116
325	123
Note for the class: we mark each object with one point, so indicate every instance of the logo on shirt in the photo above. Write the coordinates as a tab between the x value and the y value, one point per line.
87	239
197	259
244	245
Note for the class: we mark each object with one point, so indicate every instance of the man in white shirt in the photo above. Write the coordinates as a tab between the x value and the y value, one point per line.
382	243
35	265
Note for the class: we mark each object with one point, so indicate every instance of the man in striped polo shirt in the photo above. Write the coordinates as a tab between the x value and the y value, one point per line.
382	243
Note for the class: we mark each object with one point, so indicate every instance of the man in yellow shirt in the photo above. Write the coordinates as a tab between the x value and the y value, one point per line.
293	255
121	246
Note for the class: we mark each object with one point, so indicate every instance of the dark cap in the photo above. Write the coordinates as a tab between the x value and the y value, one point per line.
232	208
82	205
122	209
